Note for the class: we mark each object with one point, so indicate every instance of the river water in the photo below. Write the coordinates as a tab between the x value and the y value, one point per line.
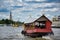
14	33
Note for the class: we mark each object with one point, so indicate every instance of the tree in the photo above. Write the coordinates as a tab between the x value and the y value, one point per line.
7	21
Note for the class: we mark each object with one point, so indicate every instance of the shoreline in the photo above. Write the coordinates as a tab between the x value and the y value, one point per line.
55	27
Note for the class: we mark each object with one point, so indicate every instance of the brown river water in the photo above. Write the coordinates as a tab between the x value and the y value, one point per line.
14	33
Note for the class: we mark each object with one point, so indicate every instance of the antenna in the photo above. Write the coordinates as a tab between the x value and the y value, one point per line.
30	16
43	12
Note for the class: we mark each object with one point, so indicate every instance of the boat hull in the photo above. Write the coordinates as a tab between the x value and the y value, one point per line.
37	34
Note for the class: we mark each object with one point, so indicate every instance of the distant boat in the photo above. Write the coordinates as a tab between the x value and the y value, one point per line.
56	21
15	25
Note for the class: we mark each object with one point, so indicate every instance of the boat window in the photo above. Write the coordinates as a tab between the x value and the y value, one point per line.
40	24
37	23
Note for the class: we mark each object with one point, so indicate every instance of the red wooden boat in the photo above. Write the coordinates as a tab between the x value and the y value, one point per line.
38	28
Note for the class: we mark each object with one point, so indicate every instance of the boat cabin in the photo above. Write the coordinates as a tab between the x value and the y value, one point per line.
42	26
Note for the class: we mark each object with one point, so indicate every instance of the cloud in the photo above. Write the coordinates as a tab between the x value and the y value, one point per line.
40	0
56	1
35	0
4	15
16	7
22	9
42	5
52	9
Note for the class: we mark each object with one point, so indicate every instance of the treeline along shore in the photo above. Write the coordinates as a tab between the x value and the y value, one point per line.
7	21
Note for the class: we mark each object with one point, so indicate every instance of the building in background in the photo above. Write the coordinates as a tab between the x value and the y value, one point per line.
56	21
10	16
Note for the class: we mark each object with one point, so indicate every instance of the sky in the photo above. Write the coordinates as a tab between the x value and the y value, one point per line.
23	10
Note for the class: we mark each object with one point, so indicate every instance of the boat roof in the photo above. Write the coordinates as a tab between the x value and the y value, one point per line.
31	20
